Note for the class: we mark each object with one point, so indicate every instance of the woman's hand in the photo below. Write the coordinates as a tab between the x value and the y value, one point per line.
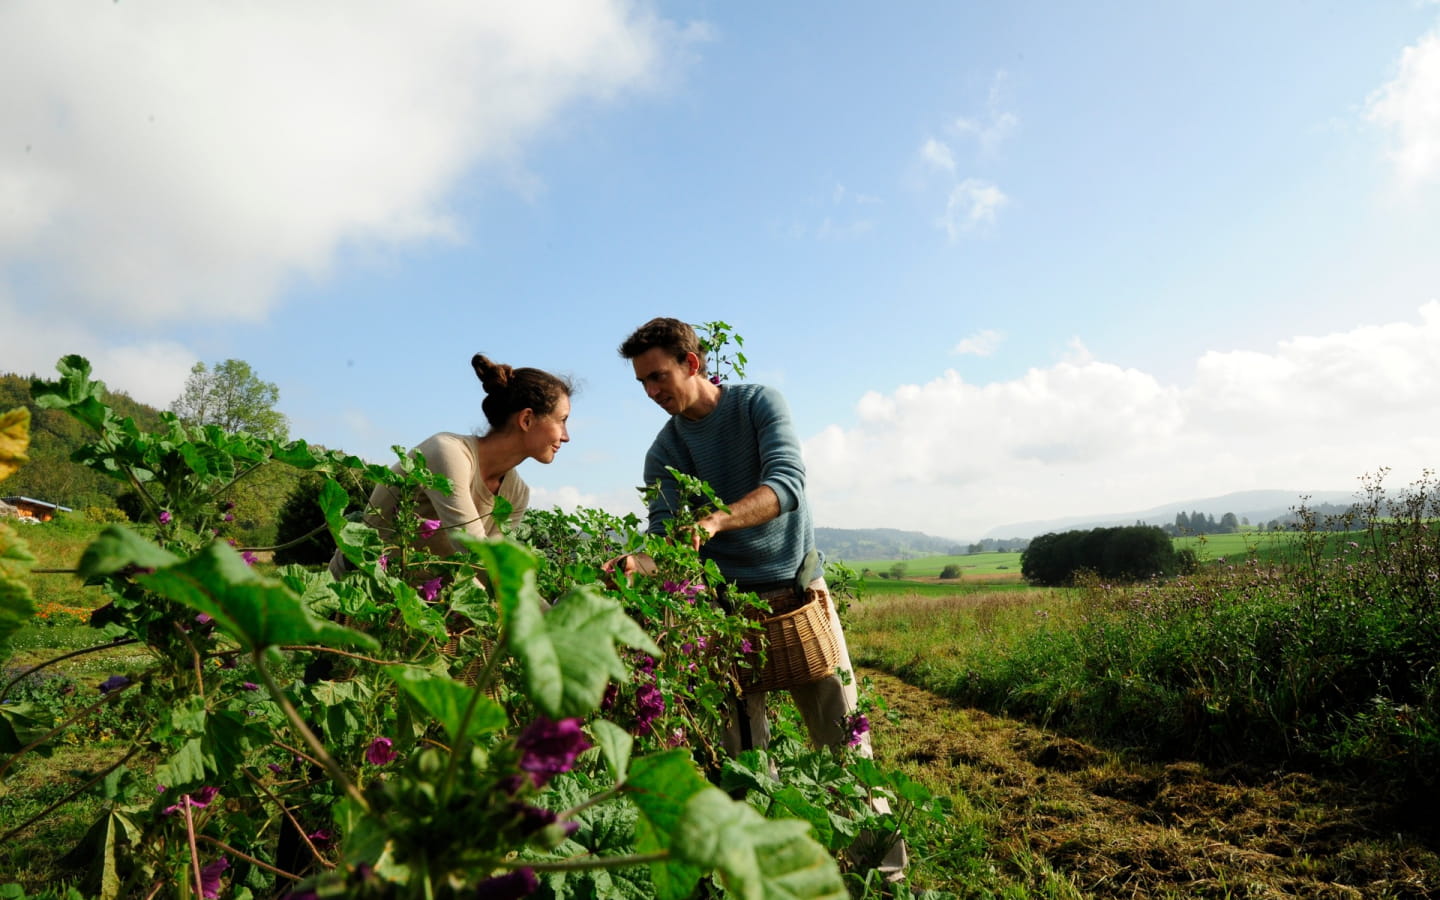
629	565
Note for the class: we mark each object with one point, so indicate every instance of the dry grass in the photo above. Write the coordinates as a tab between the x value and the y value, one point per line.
1067	819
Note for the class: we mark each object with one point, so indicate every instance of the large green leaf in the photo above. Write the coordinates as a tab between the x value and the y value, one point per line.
21	723
660	786
615	745
74	392
255	610
756	858
98	851
568	655
447	699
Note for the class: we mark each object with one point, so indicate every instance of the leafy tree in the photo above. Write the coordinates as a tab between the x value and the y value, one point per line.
233	397
950	571
1229	524
1120	554
897	571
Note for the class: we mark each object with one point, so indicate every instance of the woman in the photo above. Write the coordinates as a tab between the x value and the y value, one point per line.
527	410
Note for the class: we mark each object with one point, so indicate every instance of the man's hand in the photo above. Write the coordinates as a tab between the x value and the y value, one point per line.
630	565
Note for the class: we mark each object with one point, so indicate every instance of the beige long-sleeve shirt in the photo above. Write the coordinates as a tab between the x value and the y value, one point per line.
469	508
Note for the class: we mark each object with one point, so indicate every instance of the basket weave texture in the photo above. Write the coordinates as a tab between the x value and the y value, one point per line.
801	647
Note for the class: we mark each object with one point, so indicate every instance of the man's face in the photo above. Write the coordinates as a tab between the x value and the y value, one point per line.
667	381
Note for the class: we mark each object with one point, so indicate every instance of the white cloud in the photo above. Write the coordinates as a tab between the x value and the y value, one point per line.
937	154
169	159
981	343
1409	107
1088	437
996	125
972	206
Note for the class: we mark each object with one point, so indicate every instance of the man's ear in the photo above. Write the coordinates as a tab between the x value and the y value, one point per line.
692	363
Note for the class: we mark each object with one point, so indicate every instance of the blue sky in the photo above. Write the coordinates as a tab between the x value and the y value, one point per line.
1007	261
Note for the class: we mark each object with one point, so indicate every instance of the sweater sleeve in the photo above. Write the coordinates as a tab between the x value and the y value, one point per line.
781	466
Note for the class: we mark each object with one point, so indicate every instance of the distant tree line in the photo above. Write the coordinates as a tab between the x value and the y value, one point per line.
1000	545
1120	553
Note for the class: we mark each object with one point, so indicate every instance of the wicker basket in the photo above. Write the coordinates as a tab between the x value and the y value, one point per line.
801	647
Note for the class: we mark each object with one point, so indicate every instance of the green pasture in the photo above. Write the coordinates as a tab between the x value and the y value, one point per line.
932	566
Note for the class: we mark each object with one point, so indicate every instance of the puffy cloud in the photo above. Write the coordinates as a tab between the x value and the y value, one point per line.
170	159
1088	437
1409	106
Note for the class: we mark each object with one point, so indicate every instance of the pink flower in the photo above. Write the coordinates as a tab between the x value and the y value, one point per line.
747	647
249	686
202	799
430	590
380	752
858	726
165	517
250	558
383	562
684	589
714	379
228	517
320	836
210	878
428	527
548	748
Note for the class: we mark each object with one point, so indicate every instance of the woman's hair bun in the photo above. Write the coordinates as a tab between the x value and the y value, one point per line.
493	376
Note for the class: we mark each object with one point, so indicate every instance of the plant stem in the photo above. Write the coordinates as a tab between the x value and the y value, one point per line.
580	865
61	658
194	850
322	756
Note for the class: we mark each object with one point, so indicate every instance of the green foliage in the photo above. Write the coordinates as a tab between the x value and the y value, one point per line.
952	571
1131	553
440	735
1325	658
300	528
232	397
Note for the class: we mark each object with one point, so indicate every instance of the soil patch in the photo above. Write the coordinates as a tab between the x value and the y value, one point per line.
1118	827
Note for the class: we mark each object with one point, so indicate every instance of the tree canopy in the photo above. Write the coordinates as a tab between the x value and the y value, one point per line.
233	397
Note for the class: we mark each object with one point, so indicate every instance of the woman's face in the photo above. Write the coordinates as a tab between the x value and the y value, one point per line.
548	432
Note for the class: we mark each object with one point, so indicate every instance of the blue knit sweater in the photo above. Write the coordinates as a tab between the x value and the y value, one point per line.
748	440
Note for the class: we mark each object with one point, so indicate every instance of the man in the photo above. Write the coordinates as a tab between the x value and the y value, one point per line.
740	439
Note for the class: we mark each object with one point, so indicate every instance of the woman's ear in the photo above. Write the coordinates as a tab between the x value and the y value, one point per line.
525	418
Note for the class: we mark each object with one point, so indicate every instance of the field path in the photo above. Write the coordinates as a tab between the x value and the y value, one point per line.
1114	827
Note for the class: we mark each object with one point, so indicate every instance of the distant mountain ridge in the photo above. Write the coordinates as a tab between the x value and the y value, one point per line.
882	543
1257	506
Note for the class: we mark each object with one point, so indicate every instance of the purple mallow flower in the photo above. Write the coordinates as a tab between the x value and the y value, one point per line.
649	705
858	726
428	527
383	562
747	647
380	752
548	748
249	686
430	590
714	379
165	517
250	558
113	683
210	878
202	798
510	886
683	589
